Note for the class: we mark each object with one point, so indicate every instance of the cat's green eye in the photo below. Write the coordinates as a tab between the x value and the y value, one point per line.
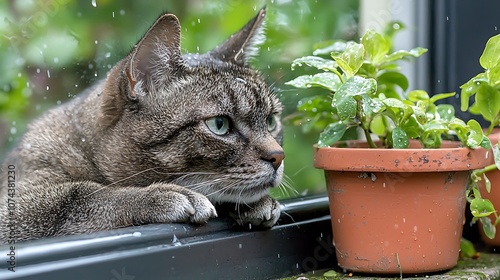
218	125
271	123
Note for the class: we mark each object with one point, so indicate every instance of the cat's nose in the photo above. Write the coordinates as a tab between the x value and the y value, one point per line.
275	158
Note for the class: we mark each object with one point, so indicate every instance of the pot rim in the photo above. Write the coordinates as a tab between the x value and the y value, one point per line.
450	158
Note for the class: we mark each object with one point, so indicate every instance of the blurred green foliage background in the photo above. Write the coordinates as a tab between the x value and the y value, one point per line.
50	50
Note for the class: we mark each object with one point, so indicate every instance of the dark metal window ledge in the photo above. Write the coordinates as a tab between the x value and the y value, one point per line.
218	250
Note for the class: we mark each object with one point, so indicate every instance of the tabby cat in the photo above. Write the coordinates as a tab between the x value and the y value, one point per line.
164	138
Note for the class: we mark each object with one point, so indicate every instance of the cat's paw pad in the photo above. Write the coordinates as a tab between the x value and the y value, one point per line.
264	213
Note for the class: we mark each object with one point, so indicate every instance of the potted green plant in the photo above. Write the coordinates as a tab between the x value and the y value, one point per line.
386	216
485	88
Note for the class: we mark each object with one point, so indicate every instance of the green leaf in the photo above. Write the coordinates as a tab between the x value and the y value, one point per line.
416	95
344	65
496	155
441	96
446	111
488	228
400	139
491	53
469	89
398	55
493	75
326	80
475	136
332	133
344	100
460	128
392	77
351	59
371	106
481	207
330	273
487	183
467	248
488	101
376	45
378	126
316	62
336	47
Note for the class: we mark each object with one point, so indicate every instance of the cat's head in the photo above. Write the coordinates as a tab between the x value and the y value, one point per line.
204	121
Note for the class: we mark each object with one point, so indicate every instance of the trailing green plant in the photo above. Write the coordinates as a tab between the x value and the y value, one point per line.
485	88
365	89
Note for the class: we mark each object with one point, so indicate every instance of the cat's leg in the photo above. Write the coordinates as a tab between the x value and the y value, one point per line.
82	207
263	213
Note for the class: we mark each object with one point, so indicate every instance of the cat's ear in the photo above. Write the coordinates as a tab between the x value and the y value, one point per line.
242	45
157	54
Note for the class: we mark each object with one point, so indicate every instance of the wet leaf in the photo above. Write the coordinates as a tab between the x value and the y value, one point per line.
332	133
441	96
491	53
446	111
488	228
316	62
496	154
336	47
481	207
488	101
396	78
487	183
416	95
400	139
329	81
344	100
351	59
398	55
376	45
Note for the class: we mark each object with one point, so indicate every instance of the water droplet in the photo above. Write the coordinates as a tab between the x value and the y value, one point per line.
56	59
113	14
13	130
240	245
83	139
107	55
94	3
279	256
136	234
27	145
175	241
48	88
48	73
58	102
122	12
96	42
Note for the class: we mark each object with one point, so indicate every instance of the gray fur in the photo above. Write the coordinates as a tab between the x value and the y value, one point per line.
136	149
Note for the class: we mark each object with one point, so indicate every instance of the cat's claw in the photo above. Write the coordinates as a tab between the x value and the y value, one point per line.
264	213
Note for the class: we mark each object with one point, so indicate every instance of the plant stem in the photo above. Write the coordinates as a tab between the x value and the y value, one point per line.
481	171
369	138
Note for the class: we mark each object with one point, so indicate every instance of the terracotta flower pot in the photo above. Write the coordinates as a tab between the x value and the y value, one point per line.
397	210
494	195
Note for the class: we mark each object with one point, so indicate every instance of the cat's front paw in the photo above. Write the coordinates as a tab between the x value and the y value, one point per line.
263	213
182	205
